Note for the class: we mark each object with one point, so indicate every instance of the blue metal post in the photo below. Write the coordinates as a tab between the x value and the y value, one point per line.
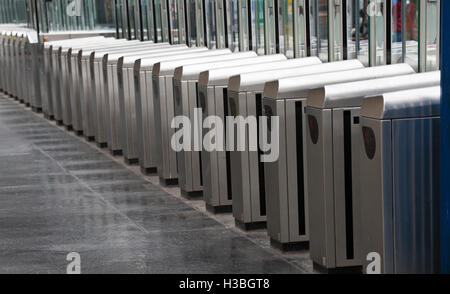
445	137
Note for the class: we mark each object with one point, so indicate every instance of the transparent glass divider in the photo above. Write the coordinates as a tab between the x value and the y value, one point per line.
429	35
182	31
220	24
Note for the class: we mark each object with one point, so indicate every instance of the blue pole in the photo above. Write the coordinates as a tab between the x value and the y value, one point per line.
445	137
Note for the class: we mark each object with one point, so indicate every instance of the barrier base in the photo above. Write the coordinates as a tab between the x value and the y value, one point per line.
219	209
149	170
131	161
116	152
168	182
36	109
192	195
250	226
291	246
338	270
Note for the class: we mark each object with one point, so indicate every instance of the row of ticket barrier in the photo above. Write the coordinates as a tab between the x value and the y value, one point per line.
357	176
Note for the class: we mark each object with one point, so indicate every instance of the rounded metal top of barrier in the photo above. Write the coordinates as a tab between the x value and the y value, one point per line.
299	87
255	81
221	76
193	71
168	67
423	102
352	94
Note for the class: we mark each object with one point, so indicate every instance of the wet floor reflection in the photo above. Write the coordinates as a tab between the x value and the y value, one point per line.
58	195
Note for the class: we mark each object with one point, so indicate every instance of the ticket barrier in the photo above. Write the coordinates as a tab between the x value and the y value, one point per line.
111	75
212	97
286	179
400	180
335	198
245	93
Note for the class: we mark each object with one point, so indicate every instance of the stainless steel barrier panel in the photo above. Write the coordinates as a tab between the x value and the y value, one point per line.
126	98
3	39
13	66
9	89
337	107
399	161
23	71
92	65
247	171
19	75
112	113
17	66
47	101
85	78
185	84
145	123
19	80
164	109
56	80
212	89
172	94
86	100
74	87
36	60
5	62
50	71
8	64
286	180
99	106
11	81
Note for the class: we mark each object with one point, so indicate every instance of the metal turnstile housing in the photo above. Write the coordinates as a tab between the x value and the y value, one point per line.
400	180
245	92
185	84
212	89
96	66
337	108
286	180
112	112
128	102
145	118
163	73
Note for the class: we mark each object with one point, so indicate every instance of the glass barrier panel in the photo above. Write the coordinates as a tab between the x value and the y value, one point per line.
336	21
432	36
412	33
181	21
220	23
288	27
232	24
259	26
145	20
158	20
322	29
269	27
300	28
210	23
245	21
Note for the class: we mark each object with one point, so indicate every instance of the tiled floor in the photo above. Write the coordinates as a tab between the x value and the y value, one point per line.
61	194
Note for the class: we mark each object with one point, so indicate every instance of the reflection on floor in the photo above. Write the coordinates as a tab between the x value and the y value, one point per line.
60	194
